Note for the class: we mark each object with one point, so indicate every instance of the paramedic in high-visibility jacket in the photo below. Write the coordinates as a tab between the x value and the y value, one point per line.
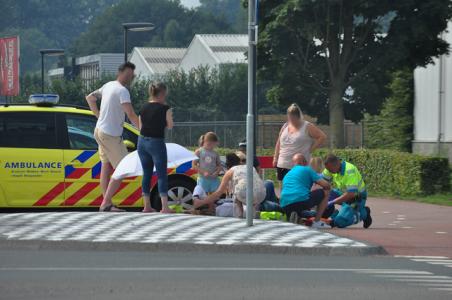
348	187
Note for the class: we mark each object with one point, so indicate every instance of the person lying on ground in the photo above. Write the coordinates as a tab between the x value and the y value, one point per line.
296	194
347	179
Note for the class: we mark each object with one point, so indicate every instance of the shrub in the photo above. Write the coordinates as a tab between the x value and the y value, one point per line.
399	173
388	171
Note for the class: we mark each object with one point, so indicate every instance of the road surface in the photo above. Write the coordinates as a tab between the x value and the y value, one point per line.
60	274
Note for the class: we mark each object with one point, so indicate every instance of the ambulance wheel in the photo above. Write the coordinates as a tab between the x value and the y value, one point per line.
180	192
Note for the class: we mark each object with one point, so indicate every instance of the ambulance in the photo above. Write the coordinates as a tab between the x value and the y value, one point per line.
49	159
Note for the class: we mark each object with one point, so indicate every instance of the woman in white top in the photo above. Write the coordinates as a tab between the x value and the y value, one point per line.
296	136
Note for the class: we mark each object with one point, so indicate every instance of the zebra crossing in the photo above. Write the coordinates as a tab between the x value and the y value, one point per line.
424	278
164	228
432	260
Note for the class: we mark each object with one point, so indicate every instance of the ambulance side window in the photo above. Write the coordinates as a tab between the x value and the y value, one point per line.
81	132
28	130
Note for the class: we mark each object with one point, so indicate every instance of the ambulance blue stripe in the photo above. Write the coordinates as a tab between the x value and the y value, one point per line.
68	171
95	171
183	167
85	155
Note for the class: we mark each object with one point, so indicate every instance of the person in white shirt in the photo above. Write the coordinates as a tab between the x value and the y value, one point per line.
116	104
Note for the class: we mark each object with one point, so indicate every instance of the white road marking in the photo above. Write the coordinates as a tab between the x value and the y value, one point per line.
236	269
414	276
432	260
424	280
407	227
420	256
441	232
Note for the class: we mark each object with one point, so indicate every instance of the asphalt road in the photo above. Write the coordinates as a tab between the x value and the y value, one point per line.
58	274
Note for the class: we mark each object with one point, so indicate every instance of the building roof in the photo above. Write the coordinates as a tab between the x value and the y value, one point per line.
225	48
161	60
96	58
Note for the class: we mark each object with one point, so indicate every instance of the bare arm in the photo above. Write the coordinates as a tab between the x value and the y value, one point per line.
92	102
221	190
128	109
347	196
277	146
195	163
324	184
318	135
139	123
169	119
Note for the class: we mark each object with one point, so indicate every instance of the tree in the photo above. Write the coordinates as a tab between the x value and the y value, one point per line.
232	10
170	18
46	24
334	57
393	127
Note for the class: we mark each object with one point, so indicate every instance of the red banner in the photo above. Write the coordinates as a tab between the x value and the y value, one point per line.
9	66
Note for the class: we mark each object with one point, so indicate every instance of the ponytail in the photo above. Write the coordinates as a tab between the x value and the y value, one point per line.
156	88
201	140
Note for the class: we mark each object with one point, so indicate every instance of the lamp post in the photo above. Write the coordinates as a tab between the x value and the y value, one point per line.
250	118
142	26
49	52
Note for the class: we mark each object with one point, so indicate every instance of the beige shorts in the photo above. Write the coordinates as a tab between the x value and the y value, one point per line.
111	148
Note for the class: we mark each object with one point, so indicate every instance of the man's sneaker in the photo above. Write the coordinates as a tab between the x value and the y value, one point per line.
293	218
320	225
368	221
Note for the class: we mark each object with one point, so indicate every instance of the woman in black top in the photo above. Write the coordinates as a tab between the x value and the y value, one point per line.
155	116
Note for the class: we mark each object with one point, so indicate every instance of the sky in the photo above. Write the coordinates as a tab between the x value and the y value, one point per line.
190	3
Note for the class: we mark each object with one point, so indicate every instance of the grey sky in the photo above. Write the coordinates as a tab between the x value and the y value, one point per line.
190	3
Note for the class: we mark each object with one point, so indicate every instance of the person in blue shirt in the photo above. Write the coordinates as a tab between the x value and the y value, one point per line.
296	194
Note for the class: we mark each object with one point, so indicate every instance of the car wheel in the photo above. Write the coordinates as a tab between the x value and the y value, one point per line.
180	191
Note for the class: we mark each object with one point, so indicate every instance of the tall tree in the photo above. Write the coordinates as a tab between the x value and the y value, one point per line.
393	127
334	56
171	19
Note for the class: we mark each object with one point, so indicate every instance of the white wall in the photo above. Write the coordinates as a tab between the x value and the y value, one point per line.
141	67
197	55
426	111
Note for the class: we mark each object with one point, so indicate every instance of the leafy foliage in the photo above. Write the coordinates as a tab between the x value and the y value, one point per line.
399	173
393	127
335	57
46	24
175	26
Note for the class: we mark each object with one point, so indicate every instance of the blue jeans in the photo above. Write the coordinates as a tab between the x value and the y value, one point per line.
270	202
152	152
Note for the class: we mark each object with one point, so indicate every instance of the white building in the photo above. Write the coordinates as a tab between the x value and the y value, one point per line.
214	50
154	62
91	68
433	106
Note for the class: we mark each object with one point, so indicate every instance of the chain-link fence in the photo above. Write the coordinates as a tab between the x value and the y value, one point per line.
231	133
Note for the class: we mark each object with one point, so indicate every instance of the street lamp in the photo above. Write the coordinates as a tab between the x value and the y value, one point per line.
142	26
49	52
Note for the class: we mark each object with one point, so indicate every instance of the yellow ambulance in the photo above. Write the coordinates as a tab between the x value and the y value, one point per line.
49	159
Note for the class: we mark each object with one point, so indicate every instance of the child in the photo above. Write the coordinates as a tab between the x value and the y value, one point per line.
317	165
209	163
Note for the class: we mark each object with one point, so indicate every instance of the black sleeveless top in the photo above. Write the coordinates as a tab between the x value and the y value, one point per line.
153	119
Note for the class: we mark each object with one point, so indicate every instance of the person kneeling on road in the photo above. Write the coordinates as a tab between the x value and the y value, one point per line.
351	192
296	194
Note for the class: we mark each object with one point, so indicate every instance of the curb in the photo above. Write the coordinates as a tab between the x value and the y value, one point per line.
369	250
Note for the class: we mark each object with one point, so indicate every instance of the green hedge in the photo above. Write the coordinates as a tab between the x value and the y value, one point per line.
399	173
387	171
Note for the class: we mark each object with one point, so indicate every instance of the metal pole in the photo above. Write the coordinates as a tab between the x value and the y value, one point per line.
125	44
42	73
250	134
440	103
